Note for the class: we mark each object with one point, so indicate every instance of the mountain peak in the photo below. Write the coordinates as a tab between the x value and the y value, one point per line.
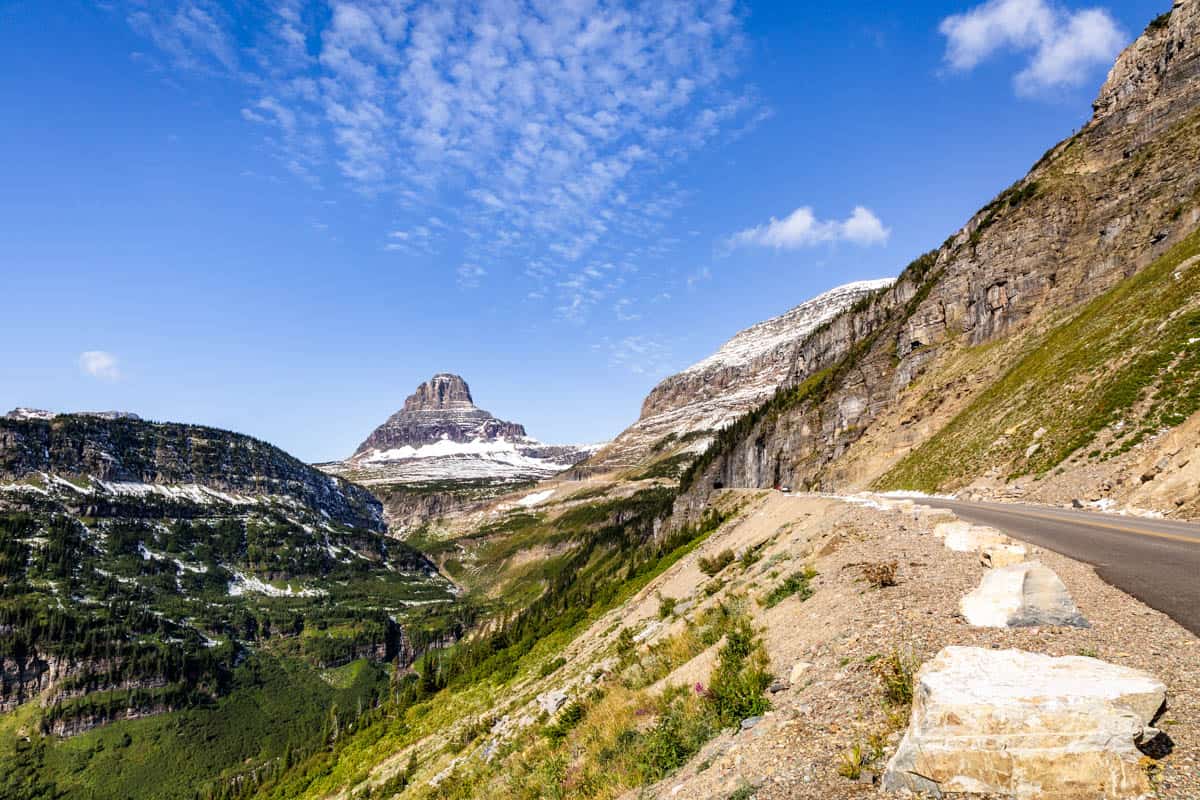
440	434
440	410
443	391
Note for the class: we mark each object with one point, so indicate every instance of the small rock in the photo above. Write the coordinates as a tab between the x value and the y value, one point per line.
750	722
552	701
798	670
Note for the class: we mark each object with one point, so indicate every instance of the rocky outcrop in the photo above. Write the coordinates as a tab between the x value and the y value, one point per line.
127	457
441	409
1094	210
439	442
686	408
1021	595
1025	725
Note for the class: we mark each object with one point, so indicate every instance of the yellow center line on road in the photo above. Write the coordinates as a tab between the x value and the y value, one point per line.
1178	537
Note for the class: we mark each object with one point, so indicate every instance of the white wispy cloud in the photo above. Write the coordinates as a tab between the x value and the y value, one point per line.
1064	46
99	364
802	228
194	34
469	275
539	130
641	355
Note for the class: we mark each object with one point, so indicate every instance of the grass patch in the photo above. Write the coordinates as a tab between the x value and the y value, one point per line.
798	583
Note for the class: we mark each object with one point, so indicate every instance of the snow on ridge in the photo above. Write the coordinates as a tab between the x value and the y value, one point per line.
537	498
446	447
248	584
791	325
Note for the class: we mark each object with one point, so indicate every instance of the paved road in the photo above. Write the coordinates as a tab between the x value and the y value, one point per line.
1156	561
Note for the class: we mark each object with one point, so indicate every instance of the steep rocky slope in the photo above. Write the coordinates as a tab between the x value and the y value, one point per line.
1102	206
684	410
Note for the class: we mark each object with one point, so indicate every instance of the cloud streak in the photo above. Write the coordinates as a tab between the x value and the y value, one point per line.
100	365
1064	46
802	228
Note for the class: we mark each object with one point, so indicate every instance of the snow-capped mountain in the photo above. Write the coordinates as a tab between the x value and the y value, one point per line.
440	434
743	373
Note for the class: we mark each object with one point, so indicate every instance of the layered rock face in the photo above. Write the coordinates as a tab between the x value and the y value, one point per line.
441	453
744	372
1093	211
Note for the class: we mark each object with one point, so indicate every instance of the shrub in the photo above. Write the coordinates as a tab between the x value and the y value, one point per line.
880	574
571	715
797	583
666	606
751	555
740	678
852	762
711	566
896	676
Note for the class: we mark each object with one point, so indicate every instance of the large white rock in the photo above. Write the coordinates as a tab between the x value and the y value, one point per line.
1021	595
966	538
1026	725
1002	555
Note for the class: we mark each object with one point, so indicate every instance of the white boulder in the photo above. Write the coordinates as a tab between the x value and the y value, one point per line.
1002	555
1021	595
1026	725
966	538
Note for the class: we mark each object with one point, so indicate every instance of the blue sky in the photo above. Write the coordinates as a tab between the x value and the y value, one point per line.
280	217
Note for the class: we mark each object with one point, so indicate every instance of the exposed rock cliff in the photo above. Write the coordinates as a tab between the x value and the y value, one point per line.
688	407
1094	210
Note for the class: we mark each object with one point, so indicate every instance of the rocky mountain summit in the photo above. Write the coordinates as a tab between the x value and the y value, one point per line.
440	410
745	371
441	435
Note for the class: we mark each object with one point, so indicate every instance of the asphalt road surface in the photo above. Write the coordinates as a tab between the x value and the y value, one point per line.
1156	561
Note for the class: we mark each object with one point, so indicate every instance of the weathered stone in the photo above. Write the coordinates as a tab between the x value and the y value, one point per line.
552	701
798	670
1021	595
964	537
1002	555
1026	725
